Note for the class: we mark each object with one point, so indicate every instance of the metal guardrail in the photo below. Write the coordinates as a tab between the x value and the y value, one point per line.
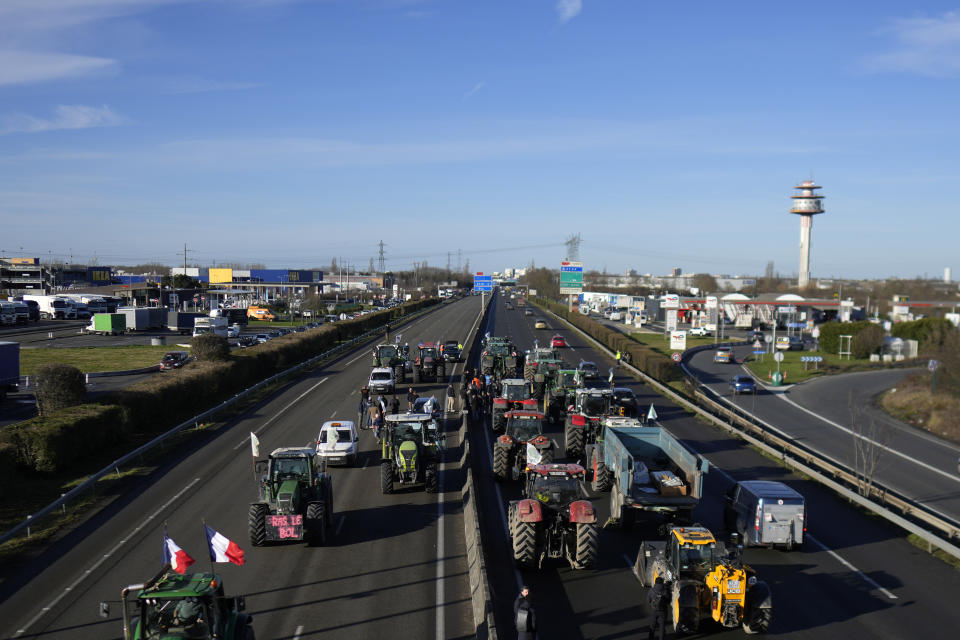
114	466
813	463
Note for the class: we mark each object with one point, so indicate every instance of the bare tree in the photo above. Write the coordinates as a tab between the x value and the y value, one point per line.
870	440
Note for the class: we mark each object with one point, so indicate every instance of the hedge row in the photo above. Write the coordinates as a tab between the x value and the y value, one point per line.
653	363
72	438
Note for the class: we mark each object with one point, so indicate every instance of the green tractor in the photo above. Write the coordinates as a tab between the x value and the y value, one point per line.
559	395
541	368
582	425
500	358
171	605
296	498
410	445
391	356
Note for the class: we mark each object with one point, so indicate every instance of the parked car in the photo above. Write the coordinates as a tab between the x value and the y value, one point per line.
337	442
540	323
248	341
723	354
743	384
174	360
589	369
558	341
700	331
789	343
766	513
262	337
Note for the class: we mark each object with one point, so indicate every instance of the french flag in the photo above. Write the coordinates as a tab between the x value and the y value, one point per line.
222	549
177	558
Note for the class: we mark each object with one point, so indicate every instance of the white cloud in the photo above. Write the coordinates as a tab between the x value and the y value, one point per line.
925	46
476	87
65	117
568	9
21	67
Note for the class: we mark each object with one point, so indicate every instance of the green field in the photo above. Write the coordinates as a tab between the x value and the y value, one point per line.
660	343
795	371
93	359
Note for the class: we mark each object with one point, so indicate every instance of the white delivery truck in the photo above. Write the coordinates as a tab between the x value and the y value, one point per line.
55	307
215	326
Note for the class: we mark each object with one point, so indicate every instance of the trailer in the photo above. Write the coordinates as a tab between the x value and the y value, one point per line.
649	472
108	324
9	367
182	321
137	318
53	307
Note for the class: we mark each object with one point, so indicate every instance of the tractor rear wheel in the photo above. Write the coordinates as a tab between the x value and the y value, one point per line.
587	545
501	462
256	519
546	455
573	441
386	477
524	543
398	373
441	372
316	523
431	478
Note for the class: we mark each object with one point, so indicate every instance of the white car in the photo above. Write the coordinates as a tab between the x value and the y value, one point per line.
381	380
337	442
700	331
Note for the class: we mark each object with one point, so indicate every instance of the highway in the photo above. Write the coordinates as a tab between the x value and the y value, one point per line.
856	576
395	566
817	413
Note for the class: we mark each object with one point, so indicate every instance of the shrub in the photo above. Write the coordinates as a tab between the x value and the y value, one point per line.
66	439
209	348
59	386
830	333
866	342
930	333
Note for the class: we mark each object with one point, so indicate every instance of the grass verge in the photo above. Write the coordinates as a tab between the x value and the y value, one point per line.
93	359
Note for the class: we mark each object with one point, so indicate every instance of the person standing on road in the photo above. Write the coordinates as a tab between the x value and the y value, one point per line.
451	397
411	398
465	397
619	356
524	617
365	393
395	405
659	601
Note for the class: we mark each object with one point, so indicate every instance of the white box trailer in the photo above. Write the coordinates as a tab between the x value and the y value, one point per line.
55	307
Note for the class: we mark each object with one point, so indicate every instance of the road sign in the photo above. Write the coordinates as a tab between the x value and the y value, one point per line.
677	356
768	338
757	344
482	282
778	356
711	302
571	278
678	340
759	352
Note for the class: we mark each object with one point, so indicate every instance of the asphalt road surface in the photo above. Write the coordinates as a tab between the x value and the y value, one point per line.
856	576
395	567
823	414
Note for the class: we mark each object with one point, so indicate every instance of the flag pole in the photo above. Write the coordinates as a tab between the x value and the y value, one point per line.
206	541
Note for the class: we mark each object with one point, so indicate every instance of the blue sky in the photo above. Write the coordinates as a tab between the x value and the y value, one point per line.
288	132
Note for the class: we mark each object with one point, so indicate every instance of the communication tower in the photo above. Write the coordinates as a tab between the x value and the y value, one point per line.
806	204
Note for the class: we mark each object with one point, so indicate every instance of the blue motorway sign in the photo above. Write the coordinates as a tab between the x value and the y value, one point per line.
482	282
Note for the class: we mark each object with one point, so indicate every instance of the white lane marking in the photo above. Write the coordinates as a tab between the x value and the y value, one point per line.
879	444
104	558
296	634
822	546
842	561
340	525
333	415
245	442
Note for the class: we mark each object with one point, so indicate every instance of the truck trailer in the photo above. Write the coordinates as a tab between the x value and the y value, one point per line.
108	324
649	471
9	367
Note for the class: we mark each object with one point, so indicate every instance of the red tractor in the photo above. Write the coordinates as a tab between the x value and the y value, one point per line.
522	439
554	520
582	426
428	363
515	393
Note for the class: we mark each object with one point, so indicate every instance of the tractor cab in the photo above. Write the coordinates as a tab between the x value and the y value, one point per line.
691	552
592	403
555	486
523	426
410	445
172	605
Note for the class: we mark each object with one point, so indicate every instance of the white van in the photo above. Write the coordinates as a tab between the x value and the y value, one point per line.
337	442
766	514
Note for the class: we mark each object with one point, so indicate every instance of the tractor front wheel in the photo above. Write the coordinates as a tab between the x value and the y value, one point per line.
759	621
257	523
441	372
587	546
386	477
398	374
524	543
316	523
602	478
